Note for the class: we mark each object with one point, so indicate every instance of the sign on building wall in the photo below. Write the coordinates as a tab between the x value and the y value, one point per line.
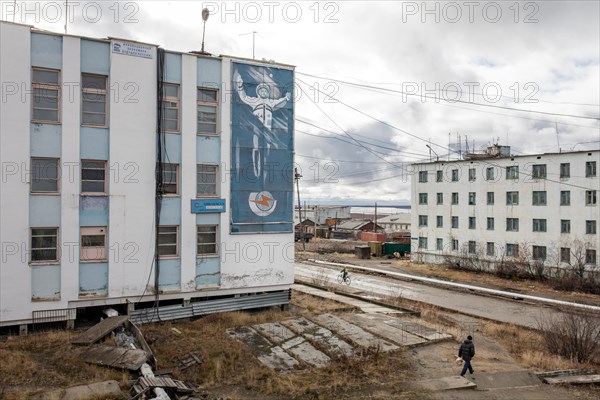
261	149
200	206
131	49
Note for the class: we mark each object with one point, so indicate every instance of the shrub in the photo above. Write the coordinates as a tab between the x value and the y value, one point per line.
574	336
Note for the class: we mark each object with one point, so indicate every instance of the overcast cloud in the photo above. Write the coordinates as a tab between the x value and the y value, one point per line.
541	55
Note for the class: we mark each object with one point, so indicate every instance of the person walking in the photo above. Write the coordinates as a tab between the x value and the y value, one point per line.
467	352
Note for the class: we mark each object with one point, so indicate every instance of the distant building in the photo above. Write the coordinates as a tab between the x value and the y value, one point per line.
395	222
322	214
540	207
136	178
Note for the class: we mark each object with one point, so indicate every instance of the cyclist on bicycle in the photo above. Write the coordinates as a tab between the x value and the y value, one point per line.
344	274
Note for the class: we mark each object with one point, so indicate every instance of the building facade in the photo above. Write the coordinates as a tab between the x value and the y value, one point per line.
540	208
133	175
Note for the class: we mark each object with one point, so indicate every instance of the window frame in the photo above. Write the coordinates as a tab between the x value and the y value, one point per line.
439	221
513	224
423	198
489	174
565	170
439	176
455	177
591	198
565	197
539	198
217	186
512	249
105	185
439	198
423	220
539	225
454	197
453	219
491	223
472	198
94	91
472	222
565	255
472	174
591	257
207	103
170	99
538	253
492	246
565	226
512	172
492	198
590	169
170	244
46	86
177	188
439	244
55	260
216	242
455	245
472	247
57	180
539	171
590	227
510	198
101	251
423	242
422	176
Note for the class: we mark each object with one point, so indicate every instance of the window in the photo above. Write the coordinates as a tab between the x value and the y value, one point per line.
422	220
207	105
539	253
490	198
472	174
565	198
512	198
472	247
565	255
422	198
439	244
512	250
422	242
538	171
512	172
44	175
422	176
590	257
490	223
207	240
455	198
539	198
93	176
94	100
489	173
590	168
439	221
45	85
565	170
454	222
439	176
472	198
454	245
168	241
539	225
512	224
454	175
590	197
170	107
472	222
93	244
170	176
206	180
590	227
565	226
44	244
440	198
490	249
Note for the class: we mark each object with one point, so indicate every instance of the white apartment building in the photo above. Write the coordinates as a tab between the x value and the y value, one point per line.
541	207
141	179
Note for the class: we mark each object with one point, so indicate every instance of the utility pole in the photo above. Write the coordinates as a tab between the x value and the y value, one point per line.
297	177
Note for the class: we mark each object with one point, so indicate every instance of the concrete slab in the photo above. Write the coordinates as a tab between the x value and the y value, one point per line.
446	383
93	391
371	323
116	357
411	327
272	356
354	333
304	351
573	380
333	345
505	380
275	332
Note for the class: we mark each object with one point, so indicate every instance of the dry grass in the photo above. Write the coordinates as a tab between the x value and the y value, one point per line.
316	305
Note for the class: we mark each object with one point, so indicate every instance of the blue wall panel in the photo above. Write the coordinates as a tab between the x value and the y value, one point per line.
94	143
173	148
170	274
45	140
93	279
44	211
173	68
45	282
95	57
208	272
93	211
209	73
46	51
170	213
208	150
208	219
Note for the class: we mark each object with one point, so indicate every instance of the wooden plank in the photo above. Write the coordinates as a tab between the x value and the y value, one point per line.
117	357
573	380
101	329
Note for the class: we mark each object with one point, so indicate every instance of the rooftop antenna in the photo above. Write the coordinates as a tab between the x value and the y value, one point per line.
205	14
253	33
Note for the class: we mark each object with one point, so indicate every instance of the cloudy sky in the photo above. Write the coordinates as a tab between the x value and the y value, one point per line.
378	81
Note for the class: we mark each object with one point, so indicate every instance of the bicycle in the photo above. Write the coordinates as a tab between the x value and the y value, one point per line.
341	279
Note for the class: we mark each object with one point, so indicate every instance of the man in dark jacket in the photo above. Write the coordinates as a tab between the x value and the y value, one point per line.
467	352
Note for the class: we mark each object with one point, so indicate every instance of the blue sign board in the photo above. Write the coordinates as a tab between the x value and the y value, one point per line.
201	206
262	144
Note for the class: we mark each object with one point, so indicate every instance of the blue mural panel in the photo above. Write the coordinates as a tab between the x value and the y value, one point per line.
93	210
45	282
261	149
208	272
170	275
93	279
